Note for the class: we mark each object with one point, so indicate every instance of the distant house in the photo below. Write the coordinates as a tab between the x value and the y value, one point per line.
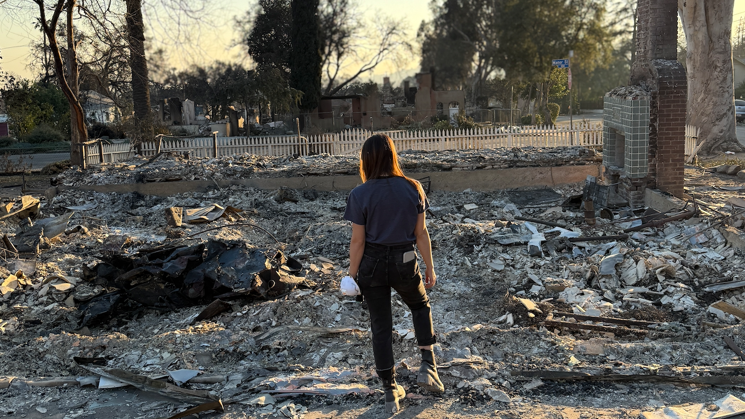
99	108
429	101
3	125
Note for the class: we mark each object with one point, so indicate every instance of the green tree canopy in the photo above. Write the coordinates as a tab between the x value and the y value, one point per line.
32	104
305	60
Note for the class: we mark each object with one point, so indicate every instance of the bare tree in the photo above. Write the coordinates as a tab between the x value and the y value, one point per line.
708	29
79	133
352	48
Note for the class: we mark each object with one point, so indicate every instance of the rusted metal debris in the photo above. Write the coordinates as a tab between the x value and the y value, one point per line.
593	327
611	320
657	223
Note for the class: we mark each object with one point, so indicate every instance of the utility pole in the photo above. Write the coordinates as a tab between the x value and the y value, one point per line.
569	81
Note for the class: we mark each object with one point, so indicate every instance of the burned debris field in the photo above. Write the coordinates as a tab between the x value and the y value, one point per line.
225	302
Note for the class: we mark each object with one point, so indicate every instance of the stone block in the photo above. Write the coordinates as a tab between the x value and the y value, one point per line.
735	237
733	170
741	175
722	168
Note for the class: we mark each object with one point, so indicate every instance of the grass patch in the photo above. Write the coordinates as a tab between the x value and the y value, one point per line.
718	162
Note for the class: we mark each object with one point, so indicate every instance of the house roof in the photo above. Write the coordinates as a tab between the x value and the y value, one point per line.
93	98
3	118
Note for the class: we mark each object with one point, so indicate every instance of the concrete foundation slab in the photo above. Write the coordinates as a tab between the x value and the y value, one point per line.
477	180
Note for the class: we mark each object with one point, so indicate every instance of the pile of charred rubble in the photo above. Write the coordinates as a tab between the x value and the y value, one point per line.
228	300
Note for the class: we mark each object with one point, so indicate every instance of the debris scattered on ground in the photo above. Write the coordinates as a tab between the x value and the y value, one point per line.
589	315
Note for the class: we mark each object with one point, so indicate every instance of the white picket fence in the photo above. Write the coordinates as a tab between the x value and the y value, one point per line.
350	142
691	139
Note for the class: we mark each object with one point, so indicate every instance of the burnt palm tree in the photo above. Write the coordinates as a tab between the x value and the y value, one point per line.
143	129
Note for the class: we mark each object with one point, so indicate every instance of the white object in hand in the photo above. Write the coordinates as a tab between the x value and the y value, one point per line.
349	286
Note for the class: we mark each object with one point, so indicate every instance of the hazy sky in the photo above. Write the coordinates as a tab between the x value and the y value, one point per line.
215	42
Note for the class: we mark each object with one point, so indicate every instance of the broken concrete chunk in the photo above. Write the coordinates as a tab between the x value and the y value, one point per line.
174	216
469	207
733	170
498	395
535	383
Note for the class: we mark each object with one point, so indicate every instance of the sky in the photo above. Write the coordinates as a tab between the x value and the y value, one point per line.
216	41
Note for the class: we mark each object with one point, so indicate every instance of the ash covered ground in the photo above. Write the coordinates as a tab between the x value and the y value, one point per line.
509	319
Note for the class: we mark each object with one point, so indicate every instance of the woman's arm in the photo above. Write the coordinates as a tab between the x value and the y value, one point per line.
425	248
356	248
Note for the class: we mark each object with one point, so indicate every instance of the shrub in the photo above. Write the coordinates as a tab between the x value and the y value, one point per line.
7	141
442	126
437	118
554	108
56	168
525	120
464	122
44	134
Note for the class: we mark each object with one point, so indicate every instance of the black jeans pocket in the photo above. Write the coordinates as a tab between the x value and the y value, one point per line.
408	272
366	274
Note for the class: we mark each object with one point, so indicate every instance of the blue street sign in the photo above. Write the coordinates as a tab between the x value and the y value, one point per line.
562	63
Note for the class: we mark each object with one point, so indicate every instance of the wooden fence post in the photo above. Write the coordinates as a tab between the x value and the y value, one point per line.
84	155
214	144
100	150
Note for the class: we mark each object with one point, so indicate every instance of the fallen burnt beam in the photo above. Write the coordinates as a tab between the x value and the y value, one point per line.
612	320
147	384
593	327
712	380
732	345
598	238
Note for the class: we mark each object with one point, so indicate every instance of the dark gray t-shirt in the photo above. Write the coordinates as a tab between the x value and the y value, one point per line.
388	208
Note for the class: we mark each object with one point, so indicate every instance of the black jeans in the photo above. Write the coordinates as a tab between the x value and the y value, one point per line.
381	269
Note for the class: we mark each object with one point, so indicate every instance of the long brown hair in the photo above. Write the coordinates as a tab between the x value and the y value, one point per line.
378	158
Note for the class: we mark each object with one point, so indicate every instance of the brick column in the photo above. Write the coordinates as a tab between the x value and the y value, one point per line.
671	118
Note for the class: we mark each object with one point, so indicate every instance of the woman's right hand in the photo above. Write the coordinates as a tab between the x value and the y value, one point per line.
430	278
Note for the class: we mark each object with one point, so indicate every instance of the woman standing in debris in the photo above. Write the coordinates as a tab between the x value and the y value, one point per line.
388	224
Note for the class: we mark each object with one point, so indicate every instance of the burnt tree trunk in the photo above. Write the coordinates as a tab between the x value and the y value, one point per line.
143	121
708	29
77	117
73	73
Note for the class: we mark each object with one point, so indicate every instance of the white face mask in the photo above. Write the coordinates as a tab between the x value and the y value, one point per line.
349	286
